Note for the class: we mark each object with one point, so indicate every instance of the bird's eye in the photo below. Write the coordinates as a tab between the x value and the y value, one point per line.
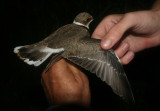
88	19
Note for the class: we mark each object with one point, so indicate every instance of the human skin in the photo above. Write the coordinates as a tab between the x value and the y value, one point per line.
130	33
64	83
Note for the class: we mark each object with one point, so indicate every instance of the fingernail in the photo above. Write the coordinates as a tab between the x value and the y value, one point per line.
125	47
107	43
130	55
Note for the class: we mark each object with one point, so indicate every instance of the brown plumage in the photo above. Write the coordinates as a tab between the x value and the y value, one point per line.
73	42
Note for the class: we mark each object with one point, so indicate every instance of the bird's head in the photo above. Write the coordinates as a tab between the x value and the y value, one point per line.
83	19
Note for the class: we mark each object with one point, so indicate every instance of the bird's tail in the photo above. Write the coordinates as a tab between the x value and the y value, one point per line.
35	54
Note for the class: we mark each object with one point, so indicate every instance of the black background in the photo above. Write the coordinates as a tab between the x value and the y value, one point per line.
25	22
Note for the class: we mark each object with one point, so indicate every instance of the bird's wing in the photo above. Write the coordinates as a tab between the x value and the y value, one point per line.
36	54
104	64
55	58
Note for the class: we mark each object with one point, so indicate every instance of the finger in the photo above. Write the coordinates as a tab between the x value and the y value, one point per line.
122	50
100	30
116	32
105	25
127	58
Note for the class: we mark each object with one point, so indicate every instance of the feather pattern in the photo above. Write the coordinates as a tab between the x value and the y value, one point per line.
106	66
73	42
35	54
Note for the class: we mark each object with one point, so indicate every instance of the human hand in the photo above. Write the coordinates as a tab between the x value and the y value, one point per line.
129	33
63	83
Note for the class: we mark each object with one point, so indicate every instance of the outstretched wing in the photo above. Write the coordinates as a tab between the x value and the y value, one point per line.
105	65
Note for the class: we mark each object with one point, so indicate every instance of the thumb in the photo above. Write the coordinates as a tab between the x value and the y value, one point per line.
116	33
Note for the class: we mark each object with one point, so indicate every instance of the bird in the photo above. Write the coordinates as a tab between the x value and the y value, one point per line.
74	43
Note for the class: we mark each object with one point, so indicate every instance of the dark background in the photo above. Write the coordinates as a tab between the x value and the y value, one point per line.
25	22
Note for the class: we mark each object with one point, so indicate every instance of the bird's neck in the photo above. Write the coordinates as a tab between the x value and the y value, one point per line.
80	24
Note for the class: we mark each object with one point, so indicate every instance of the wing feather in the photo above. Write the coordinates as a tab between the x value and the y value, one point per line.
106	66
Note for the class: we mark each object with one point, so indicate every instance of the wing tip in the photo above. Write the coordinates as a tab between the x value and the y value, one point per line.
16	49
26	60
129	98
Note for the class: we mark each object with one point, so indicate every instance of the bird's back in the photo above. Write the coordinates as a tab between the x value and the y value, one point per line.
66	34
